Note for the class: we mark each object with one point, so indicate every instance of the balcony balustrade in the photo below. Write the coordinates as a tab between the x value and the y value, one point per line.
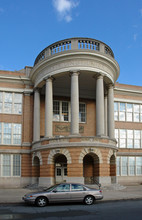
74	44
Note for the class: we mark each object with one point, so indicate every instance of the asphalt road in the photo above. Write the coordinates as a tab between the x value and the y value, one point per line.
122	210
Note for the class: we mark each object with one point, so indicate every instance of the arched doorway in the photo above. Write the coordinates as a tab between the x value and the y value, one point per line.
91	168
60	168
36	169
113	169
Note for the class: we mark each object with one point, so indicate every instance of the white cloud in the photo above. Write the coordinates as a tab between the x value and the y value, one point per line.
135	37
64	8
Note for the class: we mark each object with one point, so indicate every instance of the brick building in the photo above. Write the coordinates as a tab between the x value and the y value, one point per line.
66	119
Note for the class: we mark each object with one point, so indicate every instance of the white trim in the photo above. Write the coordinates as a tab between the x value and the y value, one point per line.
127	90
4	89
128	101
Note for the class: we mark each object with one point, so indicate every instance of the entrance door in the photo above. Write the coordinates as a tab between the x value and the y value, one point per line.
61	173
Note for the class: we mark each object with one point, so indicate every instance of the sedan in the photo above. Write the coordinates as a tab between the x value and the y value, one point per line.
64	192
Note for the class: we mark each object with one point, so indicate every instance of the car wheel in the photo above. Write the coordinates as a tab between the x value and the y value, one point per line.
89	200
41	201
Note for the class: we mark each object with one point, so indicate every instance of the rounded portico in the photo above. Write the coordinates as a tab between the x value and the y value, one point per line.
73	110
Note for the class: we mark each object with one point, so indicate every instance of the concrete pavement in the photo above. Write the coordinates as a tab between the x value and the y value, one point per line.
112	193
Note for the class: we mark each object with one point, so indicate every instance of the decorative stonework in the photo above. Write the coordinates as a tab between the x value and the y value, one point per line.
36	154
53	152
66	128
92	151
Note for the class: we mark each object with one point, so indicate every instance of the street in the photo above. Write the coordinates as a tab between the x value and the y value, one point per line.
131	210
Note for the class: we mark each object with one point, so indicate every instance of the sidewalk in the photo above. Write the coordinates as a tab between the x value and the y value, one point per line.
112	193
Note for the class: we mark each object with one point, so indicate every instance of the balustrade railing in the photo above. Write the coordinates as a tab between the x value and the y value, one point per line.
74	44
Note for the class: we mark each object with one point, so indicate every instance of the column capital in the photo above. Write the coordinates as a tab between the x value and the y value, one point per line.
110	86
49	78
36	89
99	75
74	72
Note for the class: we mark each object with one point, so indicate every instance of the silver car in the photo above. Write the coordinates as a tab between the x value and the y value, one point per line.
64	192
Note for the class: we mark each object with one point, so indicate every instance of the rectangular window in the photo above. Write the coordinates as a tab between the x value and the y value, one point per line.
10	103
122	112
11	165
1	101
0	132
116	111
131	166
10	134
61	111
6	165
16	165
65	111
16	133
137	137
82	112
56	110
128	138
7	133
17	104
124	161
122	138
127	112
139	165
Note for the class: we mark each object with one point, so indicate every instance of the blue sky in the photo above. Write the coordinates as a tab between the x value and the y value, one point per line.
28	26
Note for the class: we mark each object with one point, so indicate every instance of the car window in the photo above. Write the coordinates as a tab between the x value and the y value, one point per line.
63	188
77	187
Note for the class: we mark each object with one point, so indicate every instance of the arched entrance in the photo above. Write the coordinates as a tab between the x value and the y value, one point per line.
91	168
60	162
36	169
113	169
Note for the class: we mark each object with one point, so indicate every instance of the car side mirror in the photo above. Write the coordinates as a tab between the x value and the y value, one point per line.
54	191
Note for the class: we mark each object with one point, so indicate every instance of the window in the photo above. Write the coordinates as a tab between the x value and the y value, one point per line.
10	134
127	112
10	165
122	112
77	187
82	112
10	103
7	133
65	111
63	188
128	138
0	133
62	111
129	166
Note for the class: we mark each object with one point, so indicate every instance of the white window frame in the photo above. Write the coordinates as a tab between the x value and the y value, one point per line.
117	131
118	113
119	158
59	117
13	103
12	134
11	165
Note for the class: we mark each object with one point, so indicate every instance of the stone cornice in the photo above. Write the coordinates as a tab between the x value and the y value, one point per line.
60	63
127	90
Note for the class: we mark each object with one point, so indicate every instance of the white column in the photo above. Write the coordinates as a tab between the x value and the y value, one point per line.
36	128
48	107
105	115
74	103
111	126
100	106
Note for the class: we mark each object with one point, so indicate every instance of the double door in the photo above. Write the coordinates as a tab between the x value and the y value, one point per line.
60	172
